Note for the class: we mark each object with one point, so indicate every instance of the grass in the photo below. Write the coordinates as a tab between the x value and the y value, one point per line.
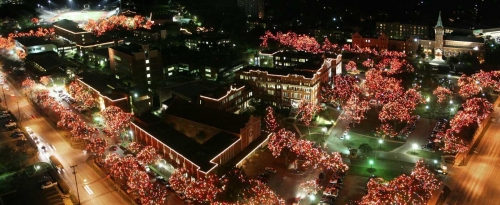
355	140
316	138
303	129
367	171
425	154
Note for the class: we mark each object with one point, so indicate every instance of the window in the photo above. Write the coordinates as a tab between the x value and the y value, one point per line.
147	61
148	75
307	97
149	82
241	77
147	68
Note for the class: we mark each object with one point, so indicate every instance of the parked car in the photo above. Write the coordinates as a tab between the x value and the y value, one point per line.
11	125
48	184
270	169
4	115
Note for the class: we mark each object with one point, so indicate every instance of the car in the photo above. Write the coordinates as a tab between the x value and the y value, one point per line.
48	184
4	115
11	125
16	134
270	169
264	175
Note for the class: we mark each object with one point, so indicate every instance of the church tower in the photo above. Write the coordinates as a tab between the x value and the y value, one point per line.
439	33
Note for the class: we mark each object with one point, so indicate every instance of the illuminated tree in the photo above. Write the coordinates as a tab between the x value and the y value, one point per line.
147	155
310	187
271	123
116	120
44	80
179	180
355	109
351	67
307	110
384	131
260	194
442	94
134	147
204	189
344	87
138	180
34	21
283	138
28	84
468	87
112	159
97	146
103	25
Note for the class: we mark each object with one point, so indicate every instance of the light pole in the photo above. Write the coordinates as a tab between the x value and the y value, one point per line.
5	99
76	182
380	141
19	112
371	164
50	8
415	147
71	4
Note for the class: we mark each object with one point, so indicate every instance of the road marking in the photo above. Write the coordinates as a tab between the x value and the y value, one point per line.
87	188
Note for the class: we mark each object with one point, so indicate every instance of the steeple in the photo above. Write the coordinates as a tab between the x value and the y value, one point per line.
439	23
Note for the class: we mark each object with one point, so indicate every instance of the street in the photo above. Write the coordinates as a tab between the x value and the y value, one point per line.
93	189
476	182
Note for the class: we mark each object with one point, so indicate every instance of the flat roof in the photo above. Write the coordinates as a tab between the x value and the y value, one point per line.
279	71
199	154
194	89
128	48
221	90
104	84
29	41
69	25
208	116
101	51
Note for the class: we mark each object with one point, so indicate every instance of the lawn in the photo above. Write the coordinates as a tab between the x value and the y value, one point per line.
425	154
355	140
316	138
314	130
387	175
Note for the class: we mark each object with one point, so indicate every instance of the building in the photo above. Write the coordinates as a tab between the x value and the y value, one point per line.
492	33
233	98
70	31
291	58
205	43
198	138
32	44
49	63
448	44
252	8
286	87
189	90
137	63
265	58
402	31
99	57
153	34
106	90
221	70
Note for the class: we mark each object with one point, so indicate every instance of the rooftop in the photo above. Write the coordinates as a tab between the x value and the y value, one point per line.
199	154
464	38
193	90
101	51
50	61
104	84
279	71
129	48
221	91
31	41
69	25
207	116
295	54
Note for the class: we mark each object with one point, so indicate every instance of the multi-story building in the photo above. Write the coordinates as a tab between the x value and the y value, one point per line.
136	62
99	57
221	71
233	98
286	87
252	8
203	43
32	44
106	90
198	138
70	31
265	58
214	146
401	31
152	34
291	58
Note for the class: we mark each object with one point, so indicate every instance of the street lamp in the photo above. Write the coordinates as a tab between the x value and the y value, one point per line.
380	141
71	4
76	183
435	163
5	99
371	164
415	147
50	8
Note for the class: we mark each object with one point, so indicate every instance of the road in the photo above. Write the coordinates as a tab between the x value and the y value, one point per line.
92	187
476	183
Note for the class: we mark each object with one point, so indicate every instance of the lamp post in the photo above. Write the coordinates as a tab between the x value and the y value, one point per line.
5	99
71	4
380	141
415	147
19	112
371	164
50	8
76	182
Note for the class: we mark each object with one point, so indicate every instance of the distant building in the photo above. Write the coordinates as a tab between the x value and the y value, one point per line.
401	31
287	87
233	98
221	70
291	58
204	43
48	63
99	56
32	44
252	8
136	62
492	33
152	34
265	58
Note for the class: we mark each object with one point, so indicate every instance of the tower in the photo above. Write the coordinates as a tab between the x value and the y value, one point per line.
439	33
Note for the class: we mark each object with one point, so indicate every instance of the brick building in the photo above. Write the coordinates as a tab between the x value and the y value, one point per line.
235	98
286	87
106	89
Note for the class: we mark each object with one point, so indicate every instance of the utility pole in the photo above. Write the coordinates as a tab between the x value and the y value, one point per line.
19	111
5	99
76	182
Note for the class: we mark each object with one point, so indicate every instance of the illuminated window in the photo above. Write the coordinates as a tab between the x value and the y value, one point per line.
148	75
149	82
147	68
147	61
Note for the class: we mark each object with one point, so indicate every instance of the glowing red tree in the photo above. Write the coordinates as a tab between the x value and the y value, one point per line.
204	189
134	147
307	110
385	130
351	66
112	159
103	25
355	109
442	94
97	146
179	180
28	84
468	86
147	155
282	139
138	180
116	120
344	86
271	123
44	80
